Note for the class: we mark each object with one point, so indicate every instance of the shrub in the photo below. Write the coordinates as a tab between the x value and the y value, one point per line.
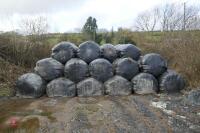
181	49
21	51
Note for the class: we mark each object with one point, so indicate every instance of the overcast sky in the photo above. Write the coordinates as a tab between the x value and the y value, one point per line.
66	15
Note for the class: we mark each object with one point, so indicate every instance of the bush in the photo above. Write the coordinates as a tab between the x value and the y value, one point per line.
181	49
21	51
8	77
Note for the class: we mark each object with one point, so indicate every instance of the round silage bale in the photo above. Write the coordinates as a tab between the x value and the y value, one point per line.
89	51
153	63
30	85
49	69
126	67
76	70
109	52
90	87
101	69
145	83
128	50
64	51
170	81
118	85
61	87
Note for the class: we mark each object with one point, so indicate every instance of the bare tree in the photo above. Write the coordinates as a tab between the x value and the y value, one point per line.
169	17
34	25
177	17
193	23
191	17
147	21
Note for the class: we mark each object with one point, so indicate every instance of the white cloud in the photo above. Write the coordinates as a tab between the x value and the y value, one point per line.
37	6
65	15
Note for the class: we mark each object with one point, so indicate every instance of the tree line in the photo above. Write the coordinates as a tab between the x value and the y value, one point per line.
169	17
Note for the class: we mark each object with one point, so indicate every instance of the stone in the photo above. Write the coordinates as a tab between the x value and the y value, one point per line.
118	86
194	97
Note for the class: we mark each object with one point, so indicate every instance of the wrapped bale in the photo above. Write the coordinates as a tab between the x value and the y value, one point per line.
145	83
61	87
49	69
154	64
101	69
90	87
118	86
30	85
128	50
126	67
171	81
76	70
64	51
89	51
109	52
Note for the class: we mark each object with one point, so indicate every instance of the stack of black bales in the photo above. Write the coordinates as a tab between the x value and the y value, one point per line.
91	70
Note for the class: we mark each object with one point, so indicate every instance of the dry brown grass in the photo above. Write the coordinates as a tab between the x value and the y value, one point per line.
18	55
8	75
23	51
182	50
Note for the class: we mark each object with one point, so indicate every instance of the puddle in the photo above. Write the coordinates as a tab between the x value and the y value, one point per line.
20	124
9	108
18	116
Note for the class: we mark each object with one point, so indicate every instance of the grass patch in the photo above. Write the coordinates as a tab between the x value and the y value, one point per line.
49	116
89	109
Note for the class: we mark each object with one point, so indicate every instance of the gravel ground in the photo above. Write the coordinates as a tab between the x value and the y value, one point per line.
159	113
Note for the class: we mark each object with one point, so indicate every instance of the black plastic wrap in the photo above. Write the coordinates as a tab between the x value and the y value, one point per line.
145	83
154	64
171	81
89	51
61	87
49	69
101	69
126	67
118	86
64	51
76	70
30	85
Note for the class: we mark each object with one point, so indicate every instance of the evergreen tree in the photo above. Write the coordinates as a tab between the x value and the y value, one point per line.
90	28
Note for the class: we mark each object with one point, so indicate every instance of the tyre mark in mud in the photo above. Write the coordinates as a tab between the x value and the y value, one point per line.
158	119
80	123
140	116
127	122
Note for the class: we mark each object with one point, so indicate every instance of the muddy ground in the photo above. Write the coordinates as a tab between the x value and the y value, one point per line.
123	114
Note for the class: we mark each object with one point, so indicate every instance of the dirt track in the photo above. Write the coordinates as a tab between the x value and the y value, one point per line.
132	114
